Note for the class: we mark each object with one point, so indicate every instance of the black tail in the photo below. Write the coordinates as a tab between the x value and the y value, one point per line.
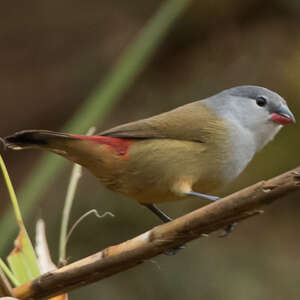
34	139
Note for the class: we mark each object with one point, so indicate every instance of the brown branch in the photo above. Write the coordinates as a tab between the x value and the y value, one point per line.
114	259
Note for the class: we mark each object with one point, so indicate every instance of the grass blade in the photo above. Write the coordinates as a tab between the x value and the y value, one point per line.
22	259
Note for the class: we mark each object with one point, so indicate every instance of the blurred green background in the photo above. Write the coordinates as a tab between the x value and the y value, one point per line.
54	53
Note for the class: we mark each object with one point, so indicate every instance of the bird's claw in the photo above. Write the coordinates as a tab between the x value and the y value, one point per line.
227	230
173	251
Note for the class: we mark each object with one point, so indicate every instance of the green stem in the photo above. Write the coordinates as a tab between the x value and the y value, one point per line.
8	273
11	191
75	176
101	101
76	173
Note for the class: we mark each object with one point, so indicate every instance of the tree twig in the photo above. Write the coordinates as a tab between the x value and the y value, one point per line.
235	207
72	187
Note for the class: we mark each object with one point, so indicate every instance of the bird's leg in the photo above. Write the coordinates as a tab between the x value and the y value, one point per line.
165	218
228	229
203	196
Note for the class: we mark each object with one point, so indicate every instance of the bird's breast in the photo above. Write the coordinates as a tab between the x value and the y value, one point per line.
241	149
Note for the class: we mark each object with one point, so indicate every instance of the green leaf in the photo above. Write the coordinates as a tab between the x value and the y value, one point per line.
22	260
8	273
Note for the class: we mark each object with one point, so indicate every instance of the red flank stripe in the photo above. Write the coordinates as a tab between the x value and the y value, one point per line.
119	145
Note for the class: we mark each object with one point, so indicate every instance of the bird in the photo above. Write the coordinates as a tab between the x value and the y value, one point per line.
189	151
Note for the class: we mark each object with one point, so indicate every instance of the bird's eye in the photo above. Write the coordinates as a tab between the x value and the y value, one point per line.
261	101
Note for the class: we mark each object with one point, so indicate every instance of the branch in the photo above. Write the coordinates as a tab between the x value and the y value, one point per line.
235	207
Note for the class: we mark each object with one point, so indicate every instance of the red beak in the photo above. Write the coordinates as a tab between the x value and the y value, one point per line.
280	119
283	116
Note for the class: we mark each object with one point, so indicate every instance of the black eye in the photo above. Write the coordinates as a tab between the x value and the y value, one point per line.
261	101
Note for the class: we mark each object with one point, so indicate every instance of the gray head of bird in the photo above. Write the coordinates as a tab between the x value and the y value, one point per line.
253	111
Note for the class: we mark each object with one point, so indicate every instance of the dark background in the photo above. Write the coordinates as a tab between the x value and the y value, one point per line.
52	55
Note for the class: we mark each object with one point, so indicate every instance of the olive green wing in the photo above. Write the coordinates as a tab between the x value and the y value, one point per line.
189	122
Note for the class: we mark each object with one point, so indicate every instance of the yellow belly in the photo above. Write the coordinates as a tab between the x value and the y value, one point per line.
161	171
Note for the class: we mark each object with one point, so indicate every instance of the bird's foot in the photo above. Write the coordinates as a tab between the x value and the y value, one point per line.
174	251
228	229
165	218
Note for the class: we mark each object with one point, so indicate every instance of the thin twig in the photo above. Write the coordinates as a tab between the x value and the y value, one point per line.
92	211
115	259
75	176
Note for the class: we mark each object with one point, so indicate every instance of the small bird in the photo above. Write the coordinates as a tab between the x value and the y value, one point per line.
187	151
